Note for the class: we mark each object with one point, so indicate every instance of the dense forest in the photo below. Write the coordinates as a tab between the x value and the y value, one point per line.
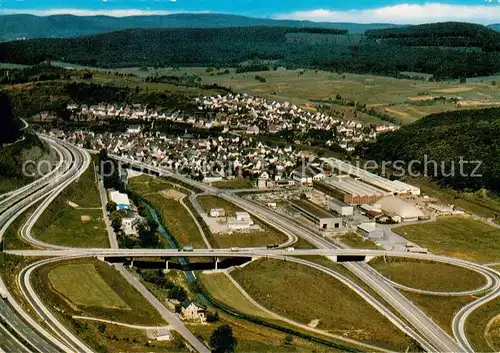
445	34
473	135
9	125
65	26
230	47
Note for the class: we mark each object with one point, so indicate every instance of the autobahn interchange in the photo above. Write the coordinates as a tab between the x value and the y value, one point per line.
43	191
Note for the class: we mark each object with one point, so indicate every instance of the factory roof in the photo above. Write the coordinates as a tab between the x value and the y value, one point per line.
396	206
354	187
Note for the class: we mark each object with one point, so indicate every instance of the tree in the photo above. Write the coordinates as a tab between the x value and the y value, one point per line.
222	340
116	220
148	236
288	340
212	316
111	206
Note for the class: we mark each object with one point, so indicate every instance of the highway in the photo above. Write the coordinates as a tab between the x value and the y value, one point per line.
416	324
70	166
433	334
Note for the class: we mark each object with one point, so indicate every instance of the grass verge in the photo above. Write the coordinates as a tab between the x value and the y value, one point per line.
440	309
482	329
461	237
115	300
428	275
234	184
64	225
356	241
318	297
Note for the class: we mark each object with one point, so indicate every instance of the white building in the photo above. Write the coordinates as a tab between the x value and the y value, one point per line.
217	212
394	206
370	230
341	208
122	201
244	217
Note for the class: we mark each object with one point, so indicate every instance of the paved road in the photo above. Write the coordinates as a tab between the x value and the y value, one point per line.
24	329
172	319
9	343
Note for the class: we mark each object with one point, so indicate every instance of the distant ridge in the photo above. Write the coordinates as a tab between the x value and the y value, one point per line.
64	26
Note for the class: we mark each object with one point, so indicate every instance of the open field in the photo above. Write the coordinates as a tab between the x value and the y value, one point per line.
318	297
145	184
62	224
483	327
440	309
357	241
68	280
256	338
178	220
65	226
461	237
428	275
222	289
237	183
240	239
303	87
67	286
112	338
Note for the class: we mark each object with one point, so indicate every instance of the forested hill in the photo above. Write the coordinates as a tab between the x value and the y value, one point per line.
444	34
9	125
471	134
63	26
274	46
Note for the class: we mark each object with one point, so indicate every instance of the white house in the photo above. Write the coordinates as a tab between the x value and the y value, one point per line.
192	311
128	225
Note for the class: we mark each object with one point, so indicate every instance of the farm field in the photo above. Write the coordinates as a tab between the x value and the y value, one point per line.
428	275
339	311
80	226
462	237
304	87
240	239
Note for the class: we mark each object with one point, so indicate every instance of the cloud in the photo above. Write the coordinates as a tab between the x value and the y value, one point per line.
84	12
404	14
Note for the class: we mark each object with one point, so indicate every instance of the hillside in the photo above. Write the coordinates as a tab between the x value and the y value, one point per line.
9	125
444	34
275	46
471	134
63	26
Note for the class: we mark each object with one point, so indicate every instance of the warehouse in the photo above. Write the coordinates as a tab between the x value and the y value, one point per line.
393	187
352	191
122	201
394	206
370	230
340	207
323	219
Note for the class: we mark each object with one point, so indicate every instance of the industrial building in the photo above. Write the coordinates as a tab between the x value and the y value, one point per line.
393	187
396	207
323	219
341	208
351	191
370	230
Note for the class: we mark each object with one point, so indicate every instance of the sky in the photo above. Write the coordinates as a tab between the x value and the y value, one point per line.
362	11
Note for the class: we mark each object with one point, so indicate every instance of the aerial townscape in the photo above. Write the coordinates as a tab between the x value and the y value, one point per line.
320	178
